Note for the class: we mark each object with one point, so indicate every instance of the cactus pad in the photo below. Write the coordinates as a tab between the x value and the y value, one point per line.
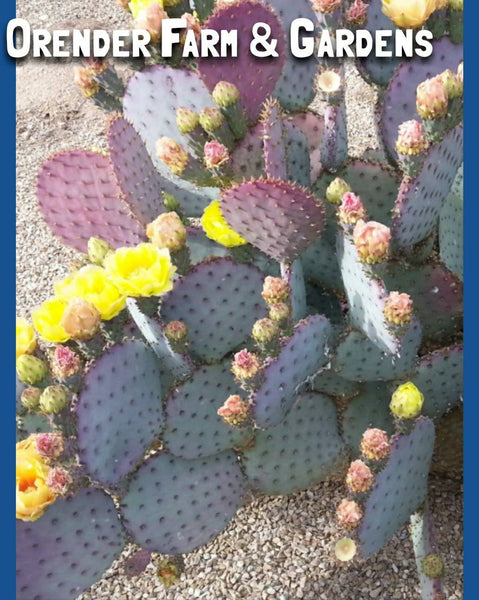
369	409
312	126
301	356
436	295
424	543
33	423
19	387
400	488
330	383
193	427
421	199
277	217
201	247
273	141
399	103
297	155
358	359
175	505
119	411
293	274
334	150
62	553
242	70
247	159
320	264
79	198
219	301
302	450
440	378
451	230
366	298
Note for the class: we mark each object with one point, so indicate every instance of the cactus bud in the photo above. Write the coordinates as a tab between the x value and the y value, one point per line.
432	566
215	155
98	250
431	99
275	290
452	84
326	6
246	365
168	572
225	94
265	330
279	312
172	154
345	549
211	119
64	363
336	190
30	398
54	399
176	331
456	4
411	139
150	20
167	231
30	369
406	401
84	79
348	513
351	209
171	203
187	119
59	480
375	444
372	241
357	13
359	477
398	308
81	319
49	445
234	411
329	83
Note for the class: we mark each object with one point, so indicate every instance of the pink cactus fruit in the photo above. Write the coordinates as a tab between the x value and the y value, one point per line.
372	241
326	6
172	155
59	480
234	411
357	13
275	290
398	308
359	477
64	363
431	98
411	138
348	513
49	445
351	209
246	365
375	444
215	155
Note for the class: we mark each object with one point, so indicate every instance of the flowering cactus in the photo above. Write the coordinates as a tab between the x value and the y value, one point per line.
277	285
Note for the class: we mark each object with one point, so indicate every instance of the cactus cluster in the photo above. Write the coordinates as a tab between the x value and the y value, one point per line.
312	317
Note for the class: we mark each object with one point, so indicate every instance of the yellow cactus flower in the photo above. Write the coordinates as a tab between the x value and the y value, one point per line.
141	271
407	401
26	340
136	6
91	283
217	229
409	13
33	496
47	318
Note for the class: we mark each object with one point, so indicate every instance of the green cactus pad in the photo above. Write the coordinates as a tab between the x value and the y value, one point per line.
204	8
440	378
421	199
366	296
247	159
295	88
173	367
451	231
301	356
68	548
193	428
242	70
33	423
219	301
320	264
175	505
322	302
330	383
297	155
312	126
376	183
79	198
375	69
277	217
358	359
304	449
158	91
295	278
201	247
436	295
400	488
119	411
369	409
274	141
19	387
399	101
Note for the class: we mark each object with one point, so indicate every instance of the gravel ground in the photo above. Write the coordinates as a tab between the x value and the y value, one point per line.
278	548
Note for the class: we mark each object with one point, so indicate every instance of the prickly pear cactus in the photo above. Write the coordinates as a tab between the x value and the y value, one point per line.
253	307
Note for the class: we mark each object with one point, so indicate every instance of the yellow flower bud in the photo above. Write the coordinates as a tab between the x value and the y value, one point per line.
26	340
407	401
167	231
217	229
81	319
